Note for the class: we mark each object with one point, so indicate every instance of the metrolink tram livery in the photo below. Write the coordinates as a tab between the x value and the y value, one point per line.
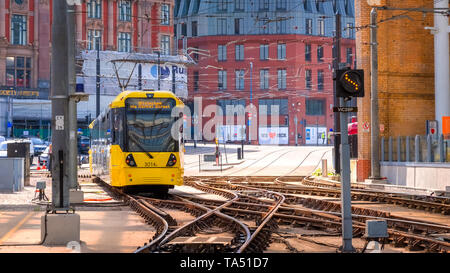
136	144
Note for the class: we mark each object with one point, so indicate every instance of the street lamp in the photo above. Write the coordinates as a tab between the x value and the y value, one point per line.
251	97
97	42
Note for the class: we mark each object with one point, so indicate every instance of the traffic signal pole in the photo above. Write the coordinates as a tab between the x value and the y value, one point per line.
336	61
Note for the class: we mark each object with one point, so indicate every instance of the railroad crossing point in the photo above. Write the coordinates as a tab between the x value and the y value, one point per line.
52	232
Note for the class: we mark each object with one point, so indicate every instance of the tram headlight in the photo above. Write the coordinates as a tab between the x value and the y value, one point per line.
172	160
130	161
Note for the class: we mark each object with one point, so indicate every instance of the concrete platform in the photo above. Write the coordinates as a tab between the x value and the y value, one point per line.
106	225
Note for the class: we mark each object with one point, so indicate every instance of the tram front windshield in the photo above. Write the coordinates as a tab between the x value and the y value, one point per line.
149	125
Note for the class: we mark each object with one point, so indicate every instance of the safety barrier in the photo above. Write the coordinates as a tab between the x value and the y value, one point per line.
429	148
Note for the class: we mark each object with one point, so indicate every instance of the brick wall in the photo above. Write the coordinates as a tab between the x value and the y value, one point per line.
406	73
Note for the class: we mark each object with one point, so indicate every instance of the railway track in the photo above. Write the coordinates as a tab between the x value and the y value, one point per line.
253	211
432	204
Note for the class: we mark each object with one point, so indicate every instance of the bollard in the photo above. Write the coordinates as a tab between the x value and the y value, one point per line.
390	149
324	168
429	152
441	148
417	149
408	158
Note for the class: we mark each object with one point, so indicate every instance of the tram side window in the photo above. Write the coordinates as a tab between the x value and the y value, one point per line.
107	125
117	127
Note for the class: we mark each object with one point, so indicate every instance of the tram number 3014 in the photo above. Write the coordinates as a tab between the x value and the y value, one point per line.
150	164
246	262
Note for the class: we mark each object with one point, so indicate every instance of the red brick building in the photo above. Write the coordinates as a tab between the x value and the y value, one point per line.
25	41
291	54
123	25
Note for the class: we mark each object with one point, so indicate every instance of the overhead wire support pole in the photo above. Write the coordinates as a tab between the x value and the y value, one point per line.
97	85
374	132
60	99
72	170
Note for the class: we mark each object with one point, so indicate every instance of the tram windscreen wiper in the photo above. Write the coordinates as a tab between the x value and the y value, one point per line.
139	145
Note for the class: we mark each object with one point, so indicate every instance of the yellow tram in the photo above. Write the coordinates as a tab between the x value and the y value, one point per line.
136	144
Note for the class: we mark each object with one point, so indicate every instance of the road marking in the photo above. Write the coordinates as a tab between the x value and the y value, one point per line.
14	229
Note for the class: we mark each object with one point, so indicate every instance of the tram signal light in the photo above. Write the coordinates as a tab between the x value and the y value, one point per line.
349	83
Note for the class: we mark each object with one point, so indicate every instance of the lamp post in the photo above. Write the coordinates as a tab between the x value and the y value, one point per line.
97	41
251	103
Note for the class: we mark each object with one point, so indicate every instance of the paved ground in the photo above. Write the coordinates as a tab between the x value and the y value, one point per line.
258	160
112	229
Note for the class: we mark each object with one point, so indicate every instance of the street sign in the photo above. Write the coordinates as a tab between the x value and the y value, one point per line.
431	127
345	109
366	127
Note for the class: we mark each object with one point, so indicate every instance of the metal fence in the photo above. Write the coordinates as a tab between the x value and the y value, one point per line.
429	148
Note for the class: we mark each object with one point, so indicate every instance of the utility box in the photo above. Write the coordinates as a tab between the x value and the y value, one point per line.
11	174
21	150
376	229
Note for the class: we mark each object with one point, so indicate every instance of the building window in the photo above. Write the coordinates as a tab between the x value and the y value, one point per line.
18	29
18	71
222	53
308	25
264	79
314	107
320	80
222	79
196	81
320	53
239	5
281	51
183	29
307	52
194	29
165	14
221	26
281	4
349	55
281	104
263	52
239	52
222	5
281	25
94	9
93	35
124	44
165	44
238	26
350	32
238	105
263	5
240	79
282	78
308	79
125	11
321	27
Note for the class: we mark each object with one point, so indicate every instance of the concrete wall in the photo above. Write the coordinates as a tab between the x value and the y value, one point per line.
429	176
